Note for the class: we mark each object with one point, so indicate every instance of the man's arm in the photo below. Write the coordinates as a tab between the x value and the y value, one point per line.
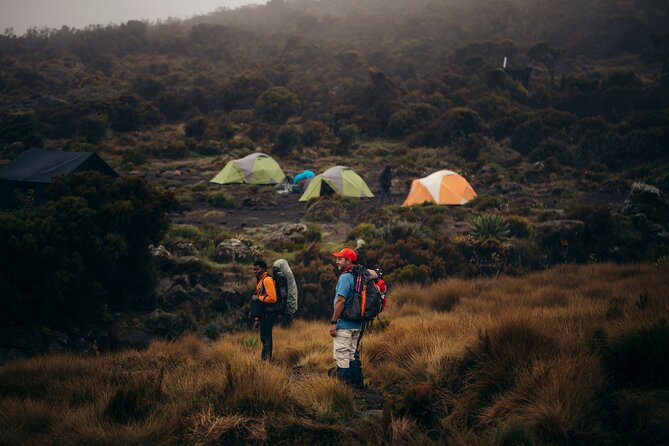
338	309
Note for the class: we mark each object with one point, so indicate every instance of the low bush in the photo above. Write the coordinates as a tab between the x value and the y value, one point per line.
135	399
640	356
221	200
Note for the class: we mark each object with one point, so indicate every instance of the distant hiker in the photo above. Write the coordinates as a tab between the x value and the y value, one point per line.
346	333
263	305
385	181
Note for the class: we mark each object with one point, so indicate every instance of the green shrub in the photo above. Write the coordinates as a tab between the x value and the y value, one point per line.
314	132
490	227
221	200
487	202
277	104
347	136
286	140
83	249
519	227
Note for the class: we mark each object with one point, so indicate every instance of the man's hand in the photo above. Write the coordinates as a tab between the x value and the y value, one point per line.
255	326
254	297
333	330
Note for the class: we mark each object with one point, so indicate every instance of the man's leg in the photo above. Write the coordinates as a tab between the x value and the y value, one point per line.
342	353
266	325
357	378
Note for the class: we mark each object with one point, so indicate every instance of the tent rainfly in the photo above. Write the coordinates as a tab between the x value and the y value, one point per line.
339	180
442	187
256	168
30	172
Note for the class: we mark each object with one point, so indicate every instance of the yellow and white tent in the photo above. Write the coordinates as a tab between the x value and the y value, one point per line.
256	168
442	187
338	180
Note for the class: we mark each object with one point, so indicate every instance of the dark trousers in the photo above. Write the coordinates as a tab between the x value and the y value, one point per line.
266	325
385	195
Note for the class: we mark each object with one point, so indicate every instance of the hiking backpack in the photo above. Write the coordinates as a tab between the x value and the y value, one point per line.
367	299
281	285
286	288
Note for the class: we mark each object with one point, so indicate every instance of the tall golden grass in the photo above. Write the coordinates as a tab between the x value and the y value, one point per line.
542	359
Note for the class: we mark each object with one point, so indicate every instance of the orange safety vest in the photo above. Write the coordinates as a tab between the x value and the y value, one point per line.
265	289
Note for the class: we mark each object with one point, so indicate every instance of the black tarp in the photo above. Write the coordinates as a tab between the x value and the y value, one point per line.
23	180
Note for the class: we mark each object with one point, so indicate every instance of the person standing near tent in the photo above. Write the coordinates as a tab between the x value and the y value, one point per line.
265	298
385	181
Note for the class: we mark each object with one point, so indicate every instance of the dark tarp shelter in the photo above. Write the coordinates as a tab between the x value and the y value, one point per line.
30	172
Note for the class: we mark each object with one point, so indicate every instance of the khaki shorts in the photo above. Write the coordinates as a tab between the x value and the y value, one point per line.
344	345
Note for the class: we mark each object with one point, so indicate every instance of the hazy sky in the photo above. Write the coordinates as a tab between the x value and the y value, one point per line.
21	14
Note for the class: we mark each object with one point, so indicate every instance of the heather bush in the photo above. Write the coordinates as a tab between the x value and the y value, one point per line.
83	250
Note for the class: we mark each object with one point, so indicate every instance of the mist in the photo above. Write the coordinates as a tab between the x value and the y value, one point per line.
79	13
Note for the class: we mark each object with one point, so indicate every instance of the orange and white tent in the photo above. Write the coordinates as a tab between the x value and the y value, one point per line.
442	187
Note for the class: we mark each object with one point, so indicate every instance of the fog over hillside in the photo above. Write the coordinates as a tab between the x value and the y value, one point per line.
80	13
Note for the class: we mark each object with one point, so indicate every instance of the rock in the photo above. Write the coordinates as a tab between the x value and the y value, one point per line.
187	249
181	279
187	265
643	197
176	295
655	230
163	286
231	250
163	258
509	187
288	235
200	293
560	226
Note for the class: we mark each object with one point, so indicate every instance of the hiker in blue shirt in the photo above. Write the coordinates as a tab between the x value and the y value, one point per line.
346	333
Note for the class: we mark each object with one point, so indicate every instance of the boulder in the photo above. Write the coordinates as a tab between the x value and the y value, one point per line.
643	196
163	286
560	227
232	249
200	293
655	230
176	295
187	249
186	265
287	236
164	259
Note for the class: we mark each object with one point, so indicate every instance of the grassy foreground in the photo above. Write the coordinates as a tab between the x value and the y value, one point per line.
572	355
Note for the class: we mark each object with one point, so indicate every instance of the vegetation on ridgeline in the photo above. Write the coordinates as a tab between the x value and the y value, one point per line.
571	355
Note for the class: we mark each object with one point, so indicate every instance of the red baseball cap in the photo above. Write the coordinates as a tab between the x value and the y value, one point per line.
348	253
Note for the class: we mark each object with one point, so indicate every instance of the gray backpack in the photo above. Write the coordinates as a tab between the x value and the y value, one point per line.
286	288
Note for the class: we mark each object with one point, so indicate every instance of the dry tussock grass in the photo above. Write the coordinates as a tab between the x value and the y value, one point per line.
488	361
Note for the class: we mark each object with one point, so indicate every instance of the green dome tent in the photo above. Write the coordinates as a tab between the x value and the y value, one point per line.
256	168
339	180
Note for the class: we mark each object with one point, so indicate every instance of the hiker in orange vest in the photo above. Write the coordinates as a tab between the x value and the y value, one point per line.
265	300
